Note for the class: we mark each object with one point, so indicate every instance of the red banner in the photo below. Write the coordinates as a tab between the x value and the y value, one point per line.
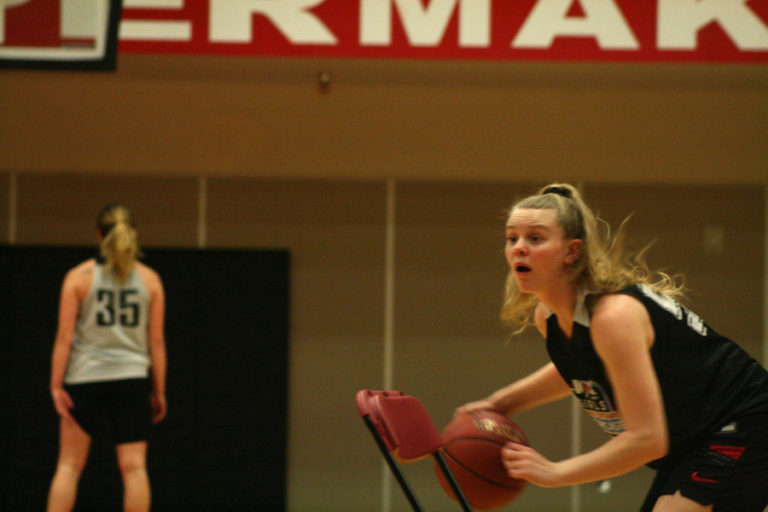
565	30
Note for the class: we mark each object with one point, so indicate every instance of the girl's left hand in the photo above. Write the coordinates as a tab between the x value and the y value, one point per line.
159	408
63	403
526	463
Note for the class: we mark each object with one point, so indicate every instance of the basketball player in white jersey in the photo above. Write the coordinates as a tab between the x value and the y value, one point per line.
109	361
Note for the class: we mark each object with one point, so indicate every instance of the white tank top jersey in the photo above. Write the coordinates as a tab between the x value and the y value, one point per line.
110	341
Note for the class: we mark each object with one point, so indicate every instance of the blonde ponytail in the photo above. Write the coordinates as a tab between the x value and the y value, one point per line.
119	244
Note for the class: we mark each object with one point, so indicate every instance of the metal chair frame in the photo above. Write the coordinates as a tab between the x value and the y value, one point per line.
404	432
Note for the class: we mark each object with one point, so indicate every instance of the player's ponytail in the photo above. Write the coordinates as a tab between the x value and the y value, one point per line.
119	245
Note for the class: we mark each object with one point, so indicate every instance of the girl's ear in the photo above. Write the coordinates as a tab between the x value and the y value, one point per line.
573	251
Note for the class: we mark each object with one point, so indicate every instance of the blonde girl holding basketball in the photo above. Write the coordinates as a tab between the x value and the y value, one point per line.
669	391
109	361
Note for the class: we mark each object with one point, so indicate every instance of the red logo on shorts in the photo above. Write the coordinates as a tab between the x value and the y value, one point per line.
696	478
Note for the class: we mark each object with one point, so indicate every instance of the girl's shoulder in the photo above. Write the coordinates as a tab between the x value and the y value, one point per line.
80	277
616	307
150	277
619	317
81	272
85	267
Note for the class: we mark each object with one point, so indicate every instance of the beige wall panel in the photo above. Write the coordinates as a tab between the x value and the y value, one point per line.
335	234
450	345
61	208
405	119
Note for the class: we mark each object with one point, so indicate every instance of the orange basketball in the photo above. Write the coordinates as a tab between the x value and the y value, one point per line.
472	450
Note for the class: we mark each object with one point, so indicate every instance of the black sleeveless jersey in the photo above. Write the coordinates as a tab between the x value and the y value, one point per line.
707	381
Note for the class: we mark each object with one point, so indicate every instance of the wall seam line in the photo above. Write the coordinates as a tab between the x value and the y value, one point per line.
389	320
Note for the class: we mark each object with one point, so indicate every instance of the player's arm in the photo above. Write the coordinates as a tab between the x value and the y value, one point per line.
156	338
622	335
542	386
69	304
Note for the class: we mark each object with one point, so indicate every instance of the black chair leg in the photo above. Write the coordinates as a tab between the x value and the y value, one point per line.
452	482
393	466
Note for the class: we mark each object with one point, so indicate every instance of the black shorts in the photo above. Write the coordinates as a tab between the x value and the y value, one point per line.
729	470
123	407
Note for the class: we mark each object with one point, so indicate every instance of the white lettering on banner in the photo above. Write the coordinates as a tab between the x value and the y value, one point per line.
680	21
161	30
230	20
155	30
603	21
425	26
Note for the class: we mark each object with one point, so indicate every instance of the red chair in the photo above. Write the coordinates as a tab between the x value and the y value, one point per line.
404	433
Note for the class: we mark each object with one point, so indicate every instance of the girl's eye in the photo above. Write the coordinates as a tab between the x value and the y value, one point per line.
511	239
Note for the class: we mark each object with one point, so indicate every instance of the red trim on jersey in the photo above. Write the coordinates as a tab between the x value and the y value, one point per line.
733	452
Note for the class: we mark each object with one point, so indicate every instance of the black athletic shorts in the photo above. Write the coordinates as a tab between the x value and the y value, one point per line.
123	407
729	470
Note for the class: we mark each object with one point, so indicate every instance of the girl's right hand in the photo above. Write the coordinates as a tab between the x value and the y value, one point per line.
479	405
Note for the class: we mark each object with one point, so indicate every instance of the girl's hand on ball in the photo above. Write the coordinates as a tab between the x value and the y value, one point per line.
526	463
479	405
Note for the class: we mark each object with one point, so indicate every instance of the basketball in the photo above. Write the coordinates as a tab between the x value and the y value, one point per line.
472	450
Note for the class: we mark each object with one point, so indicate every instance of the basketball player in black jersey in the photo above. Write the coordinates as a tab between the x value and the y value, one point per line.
669	391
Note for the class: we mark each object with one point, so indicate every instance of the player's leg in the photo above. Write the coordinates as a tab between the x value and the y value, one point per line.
74	445
132	459
679	503
131	420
